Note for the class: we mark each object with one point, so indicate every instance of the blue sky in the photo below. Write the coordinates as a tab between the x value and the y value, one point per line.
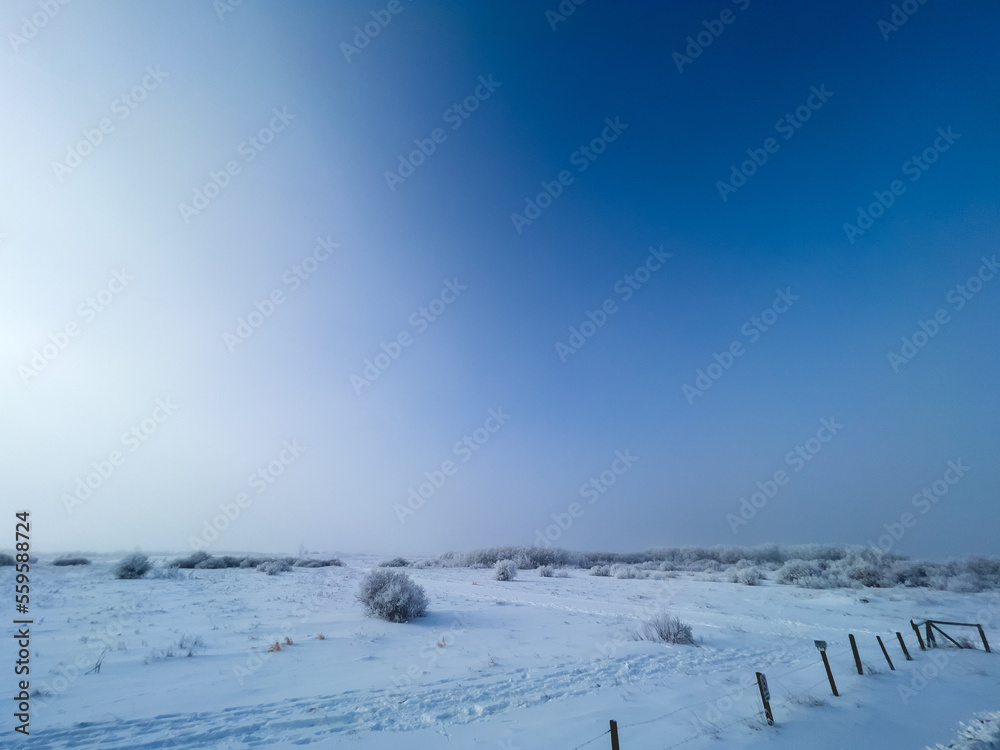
301	128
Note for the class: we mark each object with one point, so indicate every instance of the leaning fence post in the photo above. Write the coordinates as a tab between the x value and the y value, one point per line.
903	644
765	696
614	735
982	634
821	645
916	629
885	652
857	657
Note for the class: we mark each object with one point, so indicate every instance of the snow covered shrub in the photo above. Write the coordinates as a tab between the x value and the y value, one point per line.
794	571
333	562
211	563
866	574
600	570
505	570
134	566
663	628
71	561
391	595
273	567
620	570
396	562
191	560
747	576
6	559
909	573
545	571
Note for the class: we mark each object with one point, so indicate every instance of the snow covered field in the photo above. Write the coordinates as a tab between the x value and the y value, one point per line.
531	663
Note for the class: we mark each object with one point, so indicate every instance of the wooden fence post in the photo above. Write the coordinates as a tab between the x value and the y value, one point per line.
857	657
885	652
902	643
765	696
821	645
916	629
614	735
982	634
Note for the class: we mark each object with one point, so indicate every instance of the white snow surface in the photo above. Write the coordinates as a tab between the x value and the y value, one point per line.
531	663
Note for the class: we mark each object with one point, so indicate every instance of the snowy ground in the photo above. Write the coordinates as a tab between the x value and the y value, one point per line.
532	663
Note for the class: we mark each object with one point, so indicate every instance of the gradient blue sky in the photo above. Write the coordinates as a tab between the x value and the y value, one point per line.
323	175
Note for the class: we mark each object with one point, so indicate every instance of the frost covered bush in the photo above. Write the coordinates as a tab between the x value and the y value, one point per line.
396	562
6	559
71	561
620	570
273	567
191	560
333	562
504	570
748	576
794	571
600	570
663	628
134	566
391	595
547	571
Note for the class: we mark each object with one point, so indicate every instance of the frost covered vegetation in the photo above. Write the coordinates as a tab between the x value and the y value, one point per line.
663	628
809	566
505	570
204	561
134	566
391	595
63	561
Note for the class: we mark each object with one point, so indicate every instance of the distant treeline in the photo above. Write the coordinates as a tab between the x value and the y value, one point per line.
809	566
